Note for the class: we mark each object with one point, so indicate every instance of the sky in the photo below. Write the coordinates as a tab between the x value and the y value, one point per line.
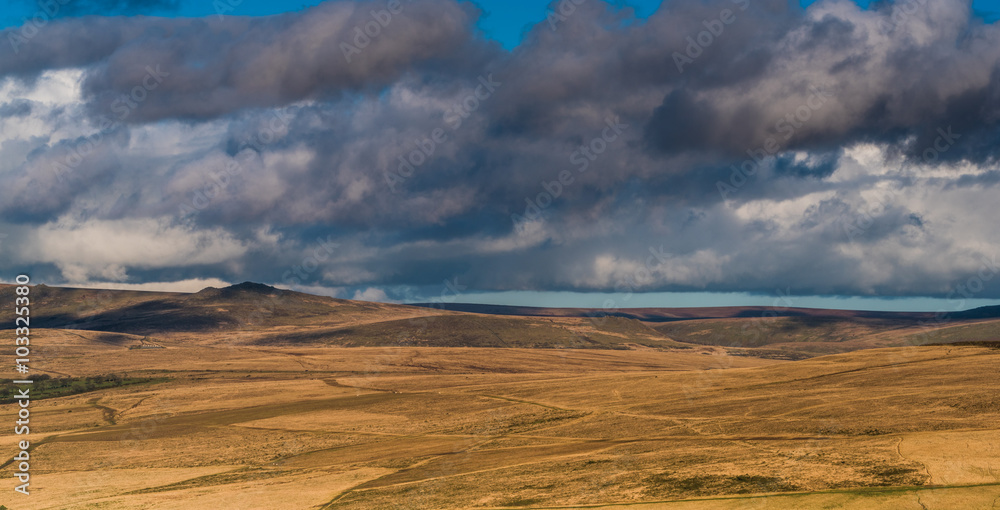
576	153
505	21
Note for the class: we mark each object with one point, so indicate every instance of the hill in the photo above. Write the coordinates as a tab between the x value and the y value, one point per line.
798	332
256	314
234	307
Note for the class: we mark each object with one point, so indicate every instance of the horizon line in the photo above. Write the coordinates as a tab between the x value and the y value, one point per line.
529	299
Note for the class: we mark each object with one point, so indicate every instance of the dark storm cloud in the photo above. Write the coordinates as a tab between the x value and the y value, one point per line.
609	134
16	108
214	66
53	175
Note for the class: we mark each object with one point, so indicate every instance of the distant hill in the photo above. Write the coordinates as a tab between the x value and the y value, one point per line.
801	331
984	312
722	312
256	314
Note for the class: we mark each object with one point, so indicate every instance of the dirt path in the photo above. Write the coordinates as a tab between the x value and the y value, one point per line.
930	478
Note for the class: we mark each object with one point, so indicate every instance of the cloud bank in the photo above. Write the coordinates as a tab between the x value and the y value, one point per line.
373	148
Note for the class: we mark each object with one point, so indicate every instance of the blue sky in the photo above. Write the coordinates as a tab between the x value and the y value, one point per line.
505	21
847	155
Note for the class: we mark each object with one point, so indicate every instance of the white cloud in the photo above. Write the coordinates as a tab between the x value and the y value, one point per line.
371	294
190	285
346	275
106	248
55	87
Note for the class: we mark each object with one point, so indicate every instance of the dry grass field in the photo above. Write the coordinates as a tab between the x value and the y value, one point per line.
226	415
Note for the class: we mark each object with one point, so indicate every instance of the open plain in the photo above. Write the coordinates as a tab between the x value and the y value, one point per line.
371	406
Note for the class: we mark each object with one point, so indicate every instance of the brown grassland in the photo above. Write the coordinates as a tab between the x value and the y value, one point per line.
249	398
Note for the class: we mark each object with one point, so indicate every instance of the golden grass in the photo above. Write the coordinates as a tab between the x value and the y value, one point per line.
420	427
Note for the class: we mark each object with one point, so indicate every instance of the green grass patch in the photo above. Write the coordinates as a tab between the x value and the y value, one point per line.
519	502
668	485
45	386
